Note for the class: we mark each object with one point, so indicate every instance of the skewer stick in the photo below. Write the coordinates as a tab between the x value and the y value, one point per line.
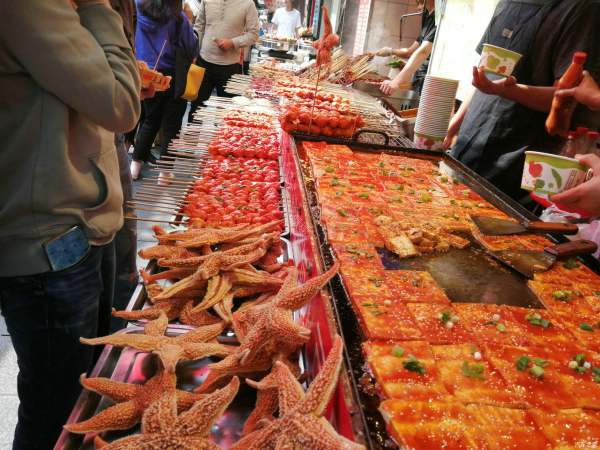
143	219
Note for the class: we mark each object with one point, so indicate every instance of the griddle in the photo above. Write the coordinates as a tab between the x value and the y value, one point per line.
452	271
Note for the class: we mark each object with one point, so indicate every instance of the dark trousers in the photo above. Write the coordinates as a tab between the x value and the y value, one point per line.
215	77
125	244
46	314
161	111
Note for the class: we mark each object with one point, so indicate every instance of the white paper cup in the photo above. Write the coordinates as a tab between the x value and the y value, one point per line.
545	173
426	142
498	60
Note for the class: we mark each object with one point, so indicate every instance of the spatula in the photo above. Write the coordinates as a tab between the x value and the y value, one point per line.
530	262
492	226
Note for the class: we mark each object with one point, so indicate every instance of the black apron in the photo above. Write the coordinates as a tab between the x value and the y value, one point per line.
496	132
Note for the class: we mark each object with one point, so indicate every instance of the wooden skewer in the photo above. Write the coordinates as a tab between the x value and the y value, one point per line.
143	219
156	210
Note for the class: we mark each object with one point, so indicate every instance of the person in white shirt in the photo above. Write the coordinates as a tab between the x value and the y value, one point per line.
288	20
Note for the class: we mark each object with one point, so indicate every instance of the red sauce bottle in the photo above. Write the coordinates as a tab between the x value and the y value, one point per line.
559	119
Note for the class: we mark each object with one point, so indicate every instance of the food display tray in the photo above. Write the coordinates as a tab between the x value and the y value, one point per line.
134	366
366	397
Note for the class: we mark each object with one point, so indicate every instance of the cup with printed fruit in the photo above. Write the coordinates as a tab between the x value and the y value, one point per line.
498	60
545	173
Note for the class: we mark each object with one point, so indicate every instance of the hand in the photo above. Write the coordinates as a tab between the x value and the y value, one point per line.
485	85
585	196
224	44
388	86
587	93
385	51
453	130
147	92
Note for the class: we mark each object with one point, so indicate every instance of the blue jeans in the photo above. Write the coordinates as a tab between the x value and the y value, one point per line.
46	314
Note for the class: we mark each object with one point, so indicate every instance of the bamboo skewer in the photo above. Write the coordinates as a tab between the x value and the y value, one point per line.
144	219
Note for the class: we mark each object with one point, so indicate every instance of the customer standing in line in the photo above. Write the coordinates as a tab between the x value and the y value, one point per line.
68	82
224	27
161	27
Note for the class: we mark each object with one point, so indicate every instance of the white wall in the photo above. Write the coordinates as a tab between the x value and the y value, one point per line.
459	32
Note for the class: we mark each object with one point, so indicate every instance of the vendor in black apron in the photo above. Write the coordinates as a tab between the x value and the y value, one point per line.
495	130
418	54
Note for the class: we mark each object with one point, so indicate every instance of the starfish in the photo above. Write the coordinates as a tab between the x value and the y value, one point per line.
300	424
163	429
173	274
192	232
266	398
196	318
190	346
132	400
274	326
211	236
194	262
166	251
267	330
171	308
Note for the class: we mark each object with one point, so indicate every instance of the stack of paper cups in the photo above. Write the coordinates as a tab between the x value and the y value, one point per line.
435	111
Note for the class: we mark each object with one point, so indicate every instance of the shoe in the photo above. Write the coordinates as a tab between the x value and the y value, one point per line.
135	168
164	178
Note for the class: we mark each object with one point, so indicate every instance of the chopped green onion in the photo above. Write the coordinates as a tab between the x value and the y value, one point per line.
563	296
474	370
342	212
537	371
398	351
412	364
363	195
523	363
329	169
586	327
501	328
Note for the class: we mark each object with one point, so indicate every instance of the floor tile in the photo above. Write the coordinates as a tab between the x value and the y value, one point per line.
8	368
8	419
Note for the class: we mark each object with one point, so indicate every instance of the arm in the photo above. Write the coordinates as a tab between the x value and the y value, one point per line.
457	119
188	39
538	98
587	93
83	57
250	35
400	52
406	74
200	24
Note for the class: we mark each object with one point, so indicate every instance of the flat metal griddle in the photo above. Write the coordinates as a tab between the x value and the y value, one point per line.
452	271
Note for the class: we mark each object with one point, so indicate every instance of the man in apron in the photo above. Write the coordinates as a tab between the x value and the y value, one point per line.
495	130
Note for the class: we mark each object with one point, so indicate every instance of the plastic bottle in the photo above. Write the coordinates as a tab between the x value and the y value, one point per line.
592	140
570	148
559	119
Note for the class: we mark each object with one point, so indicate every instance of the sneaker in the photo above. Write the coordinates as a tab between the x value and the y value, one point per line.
164	178
135	168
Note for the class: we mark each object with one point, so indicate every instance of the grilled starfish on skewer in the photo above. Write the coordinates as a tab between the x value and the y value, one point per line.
132	400
218	237
236	250
171	308
267	330
166	251
196	318
300	424
173	274
163	429
192	232
274	326
189	346
266	398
